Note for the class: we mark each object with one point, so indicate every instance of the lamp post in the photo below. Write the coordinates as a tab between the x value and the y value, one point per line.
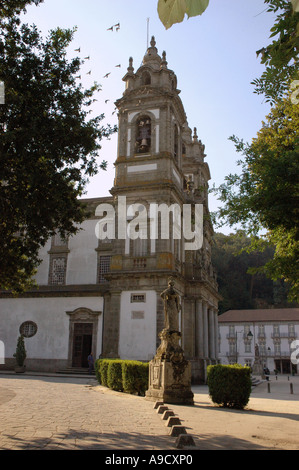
249	336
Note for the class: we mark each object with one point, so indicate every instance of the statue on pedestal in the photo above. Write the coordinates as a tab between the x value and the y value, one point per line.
257	368
170	372
172	307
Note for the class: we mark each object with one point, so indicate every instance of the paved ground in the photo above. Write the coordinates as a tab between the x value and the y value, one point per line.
70	413
270	421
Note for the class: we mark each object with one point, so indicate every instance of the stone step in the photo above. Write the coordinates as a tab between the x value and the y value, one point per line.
74	370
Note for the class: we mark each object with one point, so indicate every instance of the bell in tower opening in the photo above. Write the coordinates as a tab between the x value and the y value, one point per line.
143	133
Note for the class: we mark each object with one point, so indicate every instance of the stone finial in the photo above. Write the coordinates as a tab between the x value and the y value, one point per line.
130	68
164	61
152	55
195	138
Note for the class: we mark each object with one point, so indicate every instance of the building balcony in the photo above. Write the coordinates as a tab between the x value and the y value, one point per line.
195	273
288	335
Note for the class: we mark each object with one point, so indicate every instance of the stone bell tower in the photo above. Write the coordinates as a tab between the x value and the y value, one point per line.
159	162
151	121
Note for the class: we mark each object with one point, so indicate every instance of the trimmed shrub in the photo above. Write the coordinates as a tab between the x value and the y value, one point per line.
122	375
114	375
20	353
103	371
135	377
96	370
229	385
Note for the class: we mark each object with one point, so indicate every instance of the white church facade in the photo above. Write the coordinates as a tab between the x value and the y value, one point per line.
102	294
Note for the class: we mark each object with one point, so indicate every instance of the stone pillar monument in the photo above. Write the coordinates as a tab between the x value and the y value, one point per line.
257	368
169	371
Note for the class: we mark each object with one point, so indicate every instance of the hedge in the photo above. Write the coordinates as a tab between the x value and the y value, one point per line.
135	377
114	375
229	385
123	375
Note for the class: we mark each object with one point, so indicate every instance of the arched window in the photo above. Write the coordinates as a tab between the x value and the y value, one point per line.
146	78
143	135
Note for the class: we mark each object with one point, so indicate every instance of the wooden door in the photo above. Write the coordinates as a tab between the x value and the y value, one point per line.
82	344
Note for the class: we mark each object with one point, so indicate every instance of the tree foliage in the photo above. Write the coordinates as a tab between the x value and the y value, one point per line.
280	57
49	145
241	281
266	193
264	196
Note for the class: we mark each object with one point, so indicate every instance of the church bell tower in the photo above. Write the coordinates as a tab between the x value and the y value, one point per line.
159	162
151	123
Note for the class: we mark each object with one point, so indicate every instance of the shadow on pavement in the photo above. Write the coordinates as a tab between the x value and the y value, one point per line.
84	440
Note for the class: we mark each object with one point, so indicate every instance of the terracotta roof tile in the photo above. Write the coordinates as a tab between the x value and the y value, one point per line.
269	314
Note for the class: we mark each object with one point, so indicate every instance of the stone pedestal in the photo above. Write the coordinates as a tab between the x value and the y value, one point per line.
170	372
257	368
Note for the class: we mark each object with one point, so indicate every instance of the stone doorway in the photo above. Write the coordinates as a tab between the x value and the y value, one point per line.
83	336
82	344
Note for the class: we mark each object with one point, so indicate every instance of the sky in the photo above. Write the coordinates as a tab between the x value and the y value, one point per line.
213	56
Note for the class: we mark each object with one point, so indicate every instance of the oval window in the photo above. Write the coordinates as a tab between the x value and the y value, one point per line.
28	329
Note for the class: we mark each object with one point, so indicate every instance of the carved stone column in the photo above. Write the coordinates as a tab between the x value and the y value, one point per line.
216	334
111	325
205	331
212	346
199	350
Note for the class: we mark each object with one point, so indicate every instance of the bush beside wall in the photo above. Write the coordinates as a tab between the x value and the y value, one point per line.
123	375
114	375
229	385
135	377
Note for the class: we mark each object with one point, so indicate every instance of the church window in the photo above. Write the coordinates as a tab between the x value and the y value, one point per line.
28	329
139	247
146	78
276	331
57	271
104	268
232	349
137	298
58	260
291	328
143	135
277	348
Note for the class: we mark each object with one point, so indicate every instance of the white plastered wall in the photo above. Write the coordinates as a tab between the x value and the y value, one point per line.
137	338
52	338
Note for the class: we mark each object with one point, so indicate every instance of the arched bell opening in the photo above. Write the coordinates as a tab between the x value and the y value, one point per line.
143	135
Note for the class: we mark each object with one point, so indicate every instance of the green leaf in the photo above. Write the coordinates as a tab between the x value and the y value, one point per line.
171	11
295	4
196	7
174	11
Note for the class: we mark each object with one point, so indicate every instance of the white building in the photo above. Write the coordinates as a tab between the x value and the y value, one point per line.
274	331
